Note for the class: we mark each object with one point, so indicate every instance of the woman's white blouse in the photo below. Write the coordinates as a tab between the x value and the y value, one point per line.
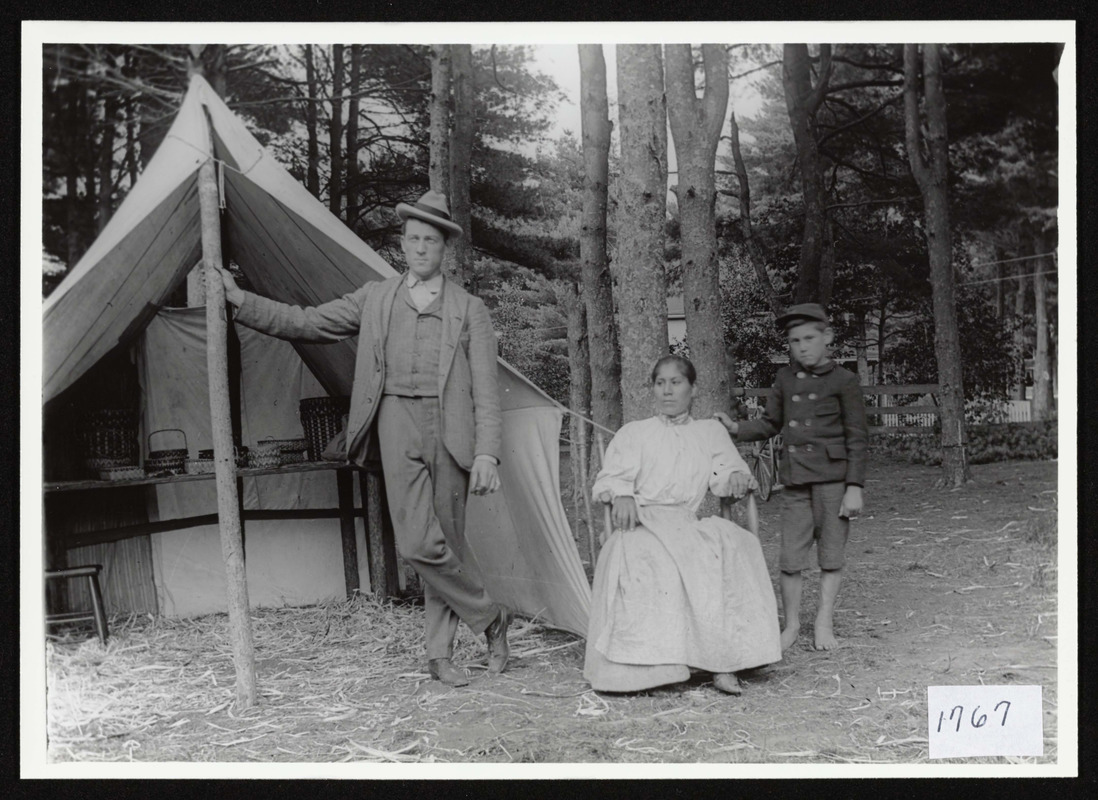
662	461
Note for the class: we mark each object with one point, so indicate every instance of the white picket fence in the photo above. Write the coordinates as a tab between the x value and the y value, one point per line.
1018	410
1015	410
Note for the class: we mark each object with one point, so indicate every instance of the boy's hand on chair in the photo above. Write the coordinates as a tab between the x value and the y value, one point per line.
726	421
852	502
740	483
624	513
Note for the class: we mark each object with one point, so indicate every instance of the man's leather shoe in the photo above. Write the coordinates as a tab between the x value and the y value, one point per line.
442	669
728	683
496	634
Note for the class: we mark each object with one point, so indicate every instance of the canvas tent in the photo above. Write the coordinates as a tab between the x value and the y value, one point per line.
291	248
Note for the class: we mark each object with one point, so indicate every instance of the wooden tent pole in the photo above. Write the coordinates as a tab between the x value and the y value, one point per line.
228	509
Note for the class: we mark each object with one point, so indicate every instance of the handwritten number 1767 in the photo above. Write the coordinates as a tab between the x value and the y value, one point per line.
974	721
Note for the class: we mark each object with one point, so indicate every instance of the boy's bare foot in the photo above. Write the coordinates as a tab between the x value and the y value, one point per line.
825	637
789	635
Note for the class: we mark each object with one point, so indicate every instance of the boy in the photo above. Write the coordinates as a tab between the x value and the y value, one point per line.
818	407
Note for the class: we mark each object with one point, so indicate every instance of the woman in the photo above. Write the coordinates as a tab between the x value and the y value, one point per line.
671	591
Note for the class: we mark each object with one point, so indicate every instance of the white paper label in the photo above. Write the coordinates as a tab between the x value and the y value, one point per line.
985	721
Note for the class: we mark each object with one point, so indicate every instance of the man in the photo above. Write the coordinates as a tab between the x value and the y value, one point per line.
426	369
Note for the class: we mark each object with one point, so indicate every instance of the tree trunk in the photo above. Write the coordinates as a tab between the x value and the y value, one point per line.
1041	406
73	245
312	172
579	395
754	252
860	348
352	187
638	271
1020	331
106	164
335	131
802	100
131	143
881	319
595	263
440	119
696	126
90	168
931	173
461	158
215	68
1000	284
228	508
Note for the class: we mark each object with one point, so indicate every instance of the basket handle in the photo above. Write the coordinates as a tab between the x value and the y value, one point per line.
165	430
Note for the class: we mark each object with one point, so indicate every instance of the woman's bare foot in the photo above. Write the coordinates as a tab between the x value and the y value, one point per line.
789	635
825	637
728	683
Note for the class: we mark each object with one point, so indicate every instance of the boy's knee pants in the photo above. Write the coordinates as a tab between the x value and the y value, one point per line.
811	513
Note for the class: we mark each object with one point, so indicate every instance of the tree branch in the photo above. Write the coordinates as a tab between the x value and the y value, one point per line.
767	65
836	131
813	101
884	201
888	67
912	141
842	87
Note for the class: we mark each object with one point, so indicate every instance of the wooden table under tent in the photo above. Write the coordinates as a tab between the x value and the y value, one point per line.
313	531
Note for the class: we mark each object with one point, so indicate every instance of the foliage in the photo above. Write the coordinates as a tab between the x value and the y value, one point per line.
532	331
986	443
988	350
750	335
1002	118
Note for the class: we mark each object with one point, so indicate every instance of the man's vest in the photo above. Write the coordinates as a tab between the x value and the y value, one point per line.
412	346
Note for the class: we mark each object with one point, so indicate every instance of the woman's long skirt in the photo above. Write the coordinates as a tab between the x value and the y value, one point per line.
674	593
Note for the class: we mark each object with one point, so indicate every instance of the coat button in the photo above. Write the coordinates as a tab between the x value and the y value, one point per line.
792	448
792	423
808	448
801	375
808	423
796	398
811	395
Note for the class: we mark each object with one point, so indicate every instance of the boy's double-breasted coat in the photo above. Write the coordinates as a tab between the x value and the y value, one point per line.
821	415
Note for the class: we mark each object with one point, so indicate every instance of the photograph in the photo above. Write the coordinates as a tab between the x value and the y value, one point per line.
548	400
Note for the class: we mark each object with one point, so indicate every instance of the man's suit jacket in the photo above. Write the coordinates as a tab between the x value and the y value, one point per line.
468	395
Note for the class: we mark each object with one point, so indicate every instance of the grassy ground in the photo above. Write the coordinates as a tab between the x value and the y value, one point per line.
943	587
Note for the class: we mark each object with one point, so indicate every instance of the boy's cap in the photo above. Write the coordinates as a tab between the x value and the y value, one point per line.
802	312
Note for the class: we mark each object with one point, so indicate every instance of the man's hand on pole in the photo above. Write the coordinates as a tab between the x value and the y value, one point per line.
233	293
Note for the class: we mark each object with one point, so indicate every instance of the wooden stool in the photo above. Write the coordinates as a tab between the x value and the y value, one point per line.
91	572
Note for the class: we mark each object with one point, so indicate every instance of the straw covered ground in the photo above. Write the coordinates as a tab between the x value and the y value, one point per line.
942	588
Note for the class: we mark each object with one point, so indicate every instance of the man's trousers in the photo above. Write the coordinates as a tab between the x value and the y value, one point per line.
426	489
